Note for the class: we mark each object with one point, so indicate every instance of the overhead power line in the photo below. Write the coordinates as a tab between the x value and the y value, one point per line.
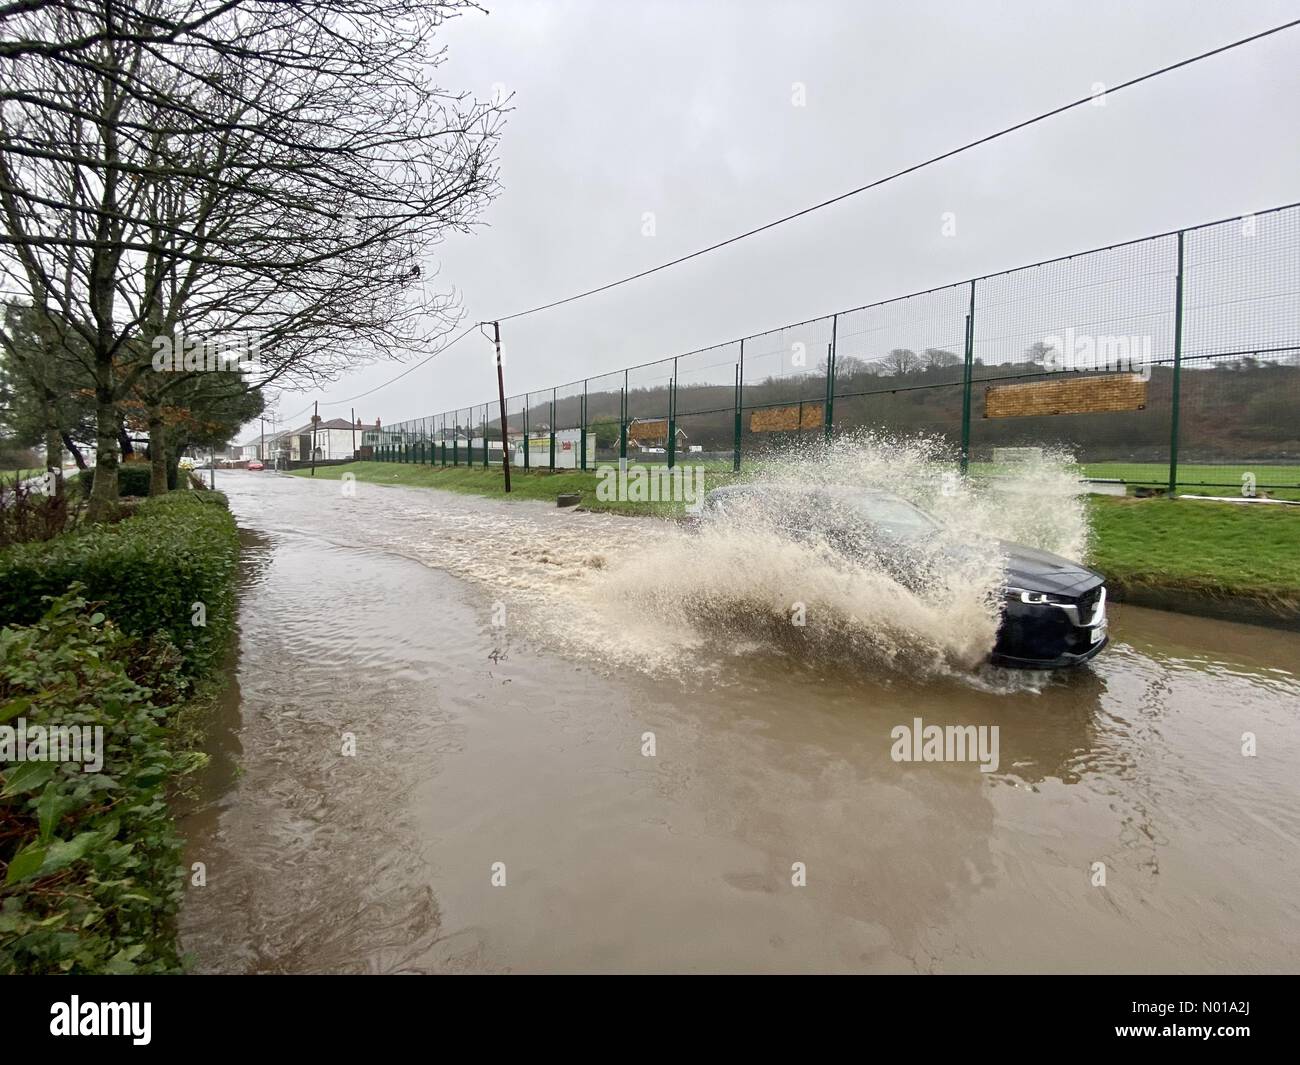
902	173
410	369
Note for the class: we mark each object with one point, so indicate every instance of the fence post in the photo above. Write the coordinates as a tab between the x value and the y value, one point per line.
830	376
1178	373
740	401
672	418
623	421
552	428
966	376
582	417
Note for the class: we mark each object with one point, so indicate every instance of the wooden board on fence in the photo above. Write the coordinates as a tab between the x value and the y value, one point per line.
785	419
1072	395
647	430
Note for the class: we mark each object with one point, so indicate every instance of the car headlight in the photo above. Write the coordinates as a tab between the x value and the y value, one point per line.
1033	598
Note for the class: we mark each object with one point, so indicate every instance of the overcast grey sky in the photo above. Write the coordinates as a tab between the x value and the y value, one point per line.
685	109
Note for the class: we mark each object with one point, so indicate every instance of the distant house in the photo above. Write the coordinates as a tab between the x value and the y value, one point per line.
250	450
331	440
337	438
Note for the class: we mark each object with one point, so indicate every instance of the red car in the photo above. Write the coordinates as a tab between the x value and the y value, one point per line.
255	465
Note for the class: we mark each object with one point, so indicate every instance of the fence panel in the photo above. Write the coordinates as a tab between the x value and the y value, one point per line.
1179	352
705	408
1239	409
1057	337
783	393
604	414
649	399
899	366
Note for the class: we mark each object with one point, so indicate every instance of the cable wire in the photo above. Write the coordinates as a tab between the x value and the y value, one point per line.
414	366
902	173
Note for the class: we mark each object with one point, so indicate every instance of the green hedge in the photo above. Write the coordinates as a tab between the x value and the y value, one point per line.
132	480
148	570
90	862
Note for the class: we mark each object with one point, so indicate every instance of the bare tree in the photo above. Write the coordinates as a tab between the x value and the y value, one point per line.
258	169
938	358
901	361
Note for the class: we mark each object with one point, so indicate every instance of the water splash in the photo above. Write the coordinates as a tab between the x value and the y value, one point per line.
779	578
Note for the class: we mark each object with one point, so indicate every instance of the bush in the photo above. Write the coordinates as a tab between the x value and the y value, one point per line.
149	571
132	480
91	861
28	514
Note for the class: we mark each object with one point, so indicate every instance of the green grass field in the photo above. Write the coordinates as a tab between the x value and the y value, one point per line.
1201	547
10	476
1199	479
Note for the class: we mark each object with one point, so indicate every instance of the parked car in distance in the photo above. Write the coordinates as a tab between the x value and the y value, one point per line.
1053	610
253	464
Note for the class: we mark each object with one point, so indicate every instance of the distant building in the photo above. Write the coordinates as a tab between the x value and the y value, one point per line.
331	440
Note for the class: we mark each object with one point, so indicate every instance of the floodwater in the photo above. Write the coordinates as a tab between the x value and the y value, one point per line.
499	668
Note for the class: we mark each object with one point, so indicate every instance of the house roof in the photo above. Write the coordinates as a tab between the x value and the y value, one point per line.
341	423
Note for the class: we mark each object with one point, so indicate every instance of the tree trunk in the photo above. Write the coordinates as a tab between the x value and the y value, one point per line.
179	444
103	493
157	452
77	456
54	459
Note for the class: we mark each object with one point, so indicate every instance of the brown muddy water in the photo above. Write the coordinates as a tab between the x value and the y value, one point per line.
499	671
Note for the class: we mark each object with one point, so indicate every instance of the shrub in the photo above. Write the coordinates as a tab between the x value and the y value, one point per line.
27	515
91	862
132	480
149	571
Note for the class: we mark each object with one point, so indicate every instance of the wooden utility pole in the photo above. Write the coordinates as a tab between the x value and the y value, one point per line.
354	432
501	394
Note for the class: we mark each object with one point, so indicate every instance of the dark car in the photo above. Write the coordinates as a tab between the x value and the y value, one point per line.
1053	612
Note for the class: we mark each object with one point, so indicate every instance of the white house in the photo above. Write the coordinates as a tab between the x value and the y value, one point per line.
337	438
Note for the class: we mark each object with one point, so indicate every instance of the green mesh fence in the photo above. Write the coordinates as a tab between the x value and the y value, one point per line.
1169	362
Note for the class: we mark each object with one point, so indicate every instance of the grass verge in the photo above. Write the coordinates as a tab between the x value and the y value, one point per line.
524	484
1199	549
1208	549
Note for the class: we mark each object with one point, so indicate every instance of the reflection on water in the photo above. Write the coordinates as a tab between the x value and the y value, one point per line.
522	744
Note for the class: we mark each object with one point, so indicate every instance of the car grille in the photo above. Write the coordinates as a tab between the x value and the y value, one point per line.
1087	604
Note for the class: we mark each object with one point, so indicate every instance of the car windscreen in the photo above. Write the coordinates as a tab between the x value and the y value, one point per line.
896	516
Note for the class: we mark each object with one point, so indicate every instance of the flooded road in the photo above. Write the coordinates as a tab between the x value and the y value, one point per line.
500	680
